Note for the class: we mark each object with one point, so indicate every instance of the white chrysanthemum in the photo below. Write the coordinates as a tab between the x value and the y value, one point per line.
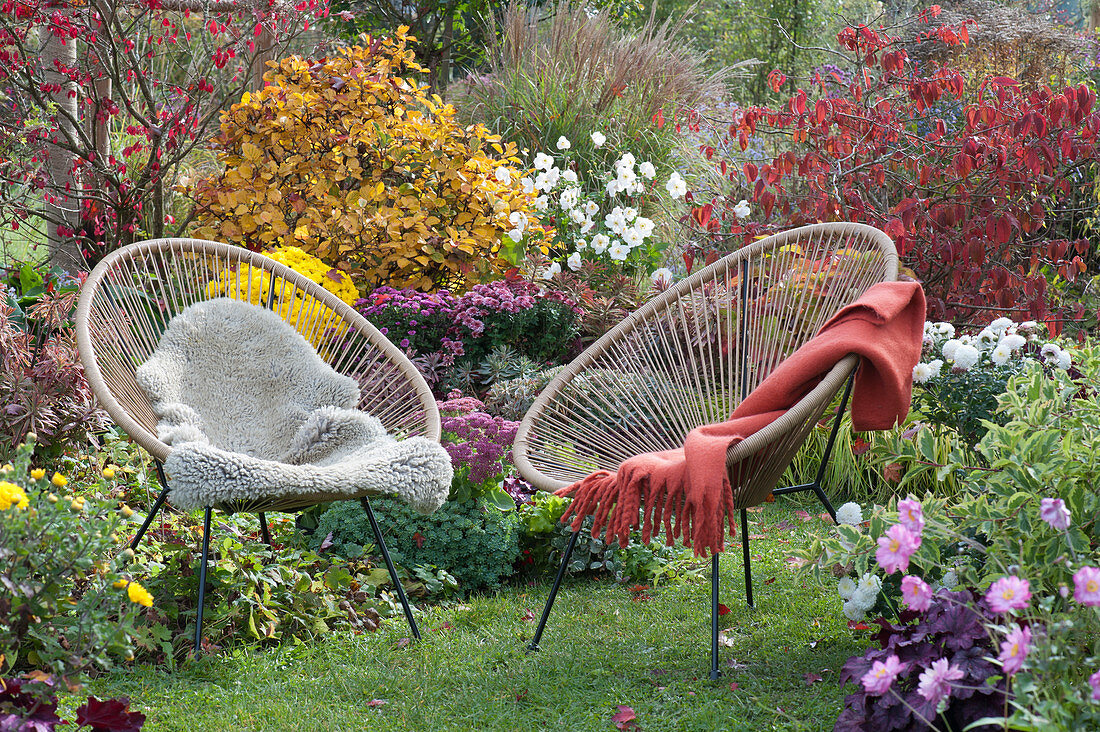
600	243
1028	325
945	330
598	139
618	251
846	588
865	598
591	208
1049	352
563	143
870	580
647	170
1000	354
543	161
676	186
570	198
987	338
853	611
922	372
662	275
742	209
528	185
1065	360
518	219
644	226
1013	342
936	365
850	513
966	356
549	272
503	175
574	261
1000	325
949	347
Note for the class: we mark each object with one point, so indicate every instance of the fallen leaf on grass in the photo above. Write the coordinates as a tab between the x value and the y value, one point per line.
769	581
754	509
722	609
826	518
625	717
811	678
803	515
784	525
725	639
735	664
734	686
528	615
402	642
376	703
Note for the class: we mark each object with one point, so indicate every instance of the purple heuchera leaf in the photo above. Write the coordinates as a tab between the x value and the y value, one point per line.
112	715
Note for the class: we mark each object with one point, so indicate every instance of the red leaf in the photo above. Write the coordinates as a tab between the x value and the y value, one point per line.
722	609
803	515
734	686
419	539
112	715
528	615
811	678
625	717
376	703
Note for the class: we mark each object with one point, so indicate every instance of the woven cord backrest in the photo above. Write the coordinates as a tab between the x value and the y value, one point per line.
689	356
128	299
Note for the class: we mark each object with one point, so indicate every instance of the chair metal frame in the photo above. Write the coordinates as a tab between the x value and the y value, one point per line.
132	293
757	463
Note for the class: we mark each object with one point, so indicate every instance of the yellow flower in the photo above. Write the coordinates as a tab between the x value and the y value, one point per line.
12	495
139	594
119	584
126	511
108	473
59	480
7	468
38	473
77	504
52	498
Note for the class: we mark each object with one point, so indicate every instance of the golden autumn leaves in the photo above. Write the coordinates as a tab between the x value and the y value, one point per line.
356	163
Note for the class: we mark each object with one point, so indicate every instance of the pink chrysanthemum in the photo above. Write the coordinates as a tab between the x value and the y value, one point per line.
916	592
895	548
1008	593
911	515
1055	513
1086	584
882	674
1014	649
935	681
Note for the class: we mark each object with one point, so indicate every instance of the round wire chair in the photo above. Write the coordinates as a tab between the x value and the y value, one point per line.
131	295
689	356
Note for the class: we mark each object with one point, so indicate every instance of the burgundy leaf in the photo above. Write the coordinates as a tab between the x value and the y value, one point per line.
112	715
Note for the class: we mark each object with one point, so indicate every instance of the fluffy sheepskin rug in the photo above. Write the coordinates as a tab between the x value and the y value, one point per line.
252	412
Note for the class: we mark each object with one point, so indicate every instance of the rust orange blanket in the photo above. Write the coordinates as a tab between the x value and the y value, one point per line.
687	490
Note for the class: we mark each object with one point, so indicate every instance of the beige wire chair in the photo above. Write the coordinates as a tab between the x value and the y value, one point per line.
690	355
126	304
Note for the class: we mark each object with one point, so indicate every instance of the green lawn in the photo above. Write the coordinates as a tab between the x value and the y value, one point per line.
602	648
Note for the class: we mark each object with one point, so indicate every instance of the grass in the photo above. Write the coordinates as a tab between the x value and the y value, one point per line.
602	648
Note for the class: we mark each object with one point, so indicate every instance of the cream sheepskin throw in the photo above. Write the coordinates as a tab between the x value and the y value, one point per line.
252	412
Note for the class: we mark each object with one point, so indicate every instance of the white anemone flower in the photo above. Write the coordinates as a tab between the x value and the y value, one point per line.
580	245
543	161
553	269
528	185
574	261
613	188
518	219
569	176
515	235
741	210
644	226
569	198
591	208
598	139
647	170
626	162
563	143
503	175
676	186
662	277
633	238
630	213
577	216
587	225
618	251
541	203
850	513
600	243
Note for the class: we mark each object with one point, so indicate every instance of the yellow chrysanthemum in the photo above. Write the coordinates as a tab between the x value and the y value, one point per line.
119	584
38	473
108	473
59	480
12	495
139	594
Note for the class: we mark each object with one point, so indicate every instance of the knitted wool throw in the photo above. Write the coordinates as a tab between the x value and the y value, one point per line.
252	413
691	485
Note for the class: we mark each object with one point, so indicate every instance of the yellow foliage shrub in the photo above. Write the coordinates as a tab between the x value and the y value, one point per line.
252	284
354	161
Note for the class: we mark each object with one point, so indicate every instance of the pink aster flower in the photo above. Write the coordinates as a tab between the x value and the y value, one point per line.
878	680
916	592
1086	584
1094	682
1055	513
935	681
1008	593
911	515
1014	649
895	548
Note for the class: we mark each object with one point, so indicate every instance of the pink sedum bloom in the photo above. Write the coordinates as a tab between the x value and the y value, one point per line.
895	548
916	592
935	681
1086	584
1014	649
877	681
1008	593
1094	682
1055	513
911	515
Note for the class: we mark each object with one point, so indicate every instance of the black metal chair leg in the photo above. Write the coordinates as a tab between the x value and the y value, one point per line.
534	644
202	578
745	551
156	506
265	534
715	674
389	565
